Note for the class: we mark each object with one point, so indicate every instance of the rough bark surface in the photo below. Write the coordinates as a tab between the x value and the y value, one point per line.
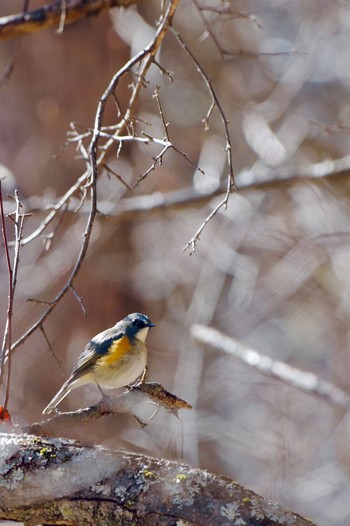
59	481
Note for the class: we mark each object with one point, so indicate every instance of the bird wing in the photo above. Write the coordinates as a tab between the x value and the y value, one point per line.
95	349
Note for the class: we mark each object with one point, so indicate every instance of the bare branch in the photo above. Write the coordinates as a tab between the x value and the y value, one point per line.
158	159
144	58
50	347
58	13
88	180
119	177
25	5
56	208
125	403
231	185
7	71
208	29
63	16
78	263
12	270
229	13
161	113
79	300
7	336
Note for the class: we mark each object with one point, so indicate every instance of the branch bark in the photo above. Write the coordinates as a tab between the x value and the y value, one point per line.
58	481
58	14
126	402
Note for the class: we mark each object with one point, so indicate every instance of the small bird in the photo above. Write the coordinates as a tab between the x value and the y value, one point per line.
114	358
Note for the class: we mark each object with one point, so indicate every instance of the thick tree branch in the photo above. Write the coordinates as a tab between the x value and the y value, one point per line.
59	481
57	14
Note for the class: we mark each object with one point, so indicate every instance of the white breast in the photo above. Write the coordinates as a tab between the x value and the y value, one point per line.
142	334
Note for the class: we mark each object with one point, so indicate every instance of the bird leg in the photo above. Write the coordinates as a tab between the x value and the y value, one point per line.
140	380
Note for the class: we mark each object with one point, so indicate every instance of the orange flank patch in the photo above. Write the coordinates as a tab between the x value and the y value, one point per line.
117	350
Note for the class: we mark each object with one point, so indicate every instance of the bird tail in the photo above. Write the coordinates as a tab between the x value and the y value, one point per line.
62	393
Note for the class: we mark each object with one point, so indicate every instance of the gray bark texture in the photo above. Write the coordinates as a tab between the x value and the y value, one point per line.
59	481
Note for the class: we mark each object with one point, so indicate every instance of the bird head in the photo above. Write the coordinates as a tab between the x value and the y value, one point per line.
137	326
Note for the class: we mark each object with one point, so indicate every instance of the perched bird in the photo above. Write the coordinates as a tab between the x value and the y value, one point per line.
114	358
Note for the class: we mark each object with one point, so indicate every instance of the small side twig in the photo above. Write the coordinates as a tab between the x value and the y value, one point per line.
25	6
62	17
8	69
43	332
119	177
161	113
79	300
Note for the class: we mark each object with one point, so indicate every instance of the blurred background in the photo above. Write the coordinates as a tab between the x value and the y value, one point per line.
272	270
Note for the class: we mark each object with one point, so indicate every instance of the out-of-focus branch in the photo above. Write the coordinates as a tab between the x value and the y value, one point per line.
125	403
277	177
180	199
59	481
307	382
58	13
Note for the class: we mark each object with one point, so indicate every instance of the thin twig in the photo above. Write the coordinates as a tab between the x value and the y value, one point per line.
79	300
12	282
62	17
50	347
158	159
232	14
48	238
134	138
56	209
128	123
164	71
6	341
119	177
76	268
8	69
231	185
145	58
161	113
208	28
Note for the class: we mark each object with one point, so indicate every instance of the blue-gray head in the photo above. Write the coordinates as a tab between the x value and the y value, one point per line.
136	326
